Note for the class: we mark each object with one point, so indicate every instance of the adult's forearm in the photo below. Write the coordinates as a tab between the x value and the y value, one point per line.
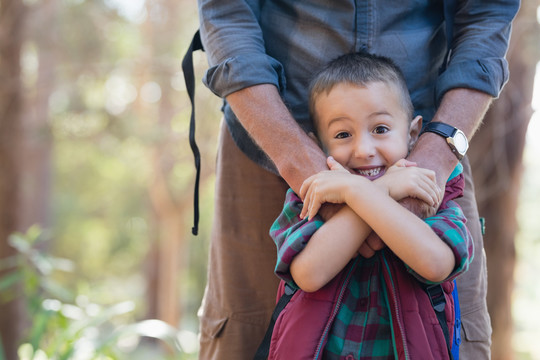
461	108
263	114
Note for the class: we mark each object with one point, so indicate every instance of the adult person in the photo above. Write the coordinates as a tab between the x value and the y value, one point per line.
261	56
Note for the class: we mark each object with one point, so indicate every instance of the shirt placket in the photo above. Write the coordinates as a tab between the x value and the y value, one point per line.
364	26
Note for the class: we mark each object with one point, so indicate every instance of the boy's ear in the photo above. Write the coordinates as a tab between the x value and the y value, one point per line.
414	130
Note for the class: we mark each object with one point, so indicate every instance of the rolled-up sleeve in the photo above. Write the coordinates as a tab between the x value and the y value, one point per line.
481	35
235	47
291	234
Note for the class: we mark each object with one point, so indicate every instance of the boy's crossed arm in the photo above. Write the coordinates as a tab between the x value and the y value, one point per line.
372	205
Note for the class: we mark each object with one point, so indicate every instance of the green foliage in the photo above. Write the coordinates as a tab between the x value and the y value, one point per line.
66	325
108	140
92	70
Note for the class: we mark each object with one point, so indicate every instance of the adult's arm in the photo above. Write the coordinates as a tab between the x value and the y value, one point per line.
251	82
461	108
235	48
476	73
266	118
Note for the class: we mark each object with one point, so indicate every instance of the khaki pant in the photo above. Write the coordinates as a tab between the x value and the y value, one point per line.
241	290
472	285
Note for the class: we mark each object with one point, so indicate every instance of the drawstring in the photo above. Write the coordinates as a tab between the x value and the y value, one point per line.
189	77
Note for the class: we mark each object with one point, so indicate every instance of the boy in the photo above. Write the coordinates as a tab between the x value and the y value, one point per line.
350	306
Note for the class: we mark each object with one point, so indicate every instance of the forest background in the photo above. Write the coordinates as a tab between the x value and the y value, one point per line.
97	260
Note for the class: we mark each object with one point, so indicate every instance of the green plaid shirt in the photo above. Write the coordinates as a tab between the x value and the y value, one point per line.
362	329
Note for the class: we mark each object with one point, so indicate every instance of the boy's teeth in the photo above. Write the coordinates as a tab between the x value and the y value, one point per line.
370	172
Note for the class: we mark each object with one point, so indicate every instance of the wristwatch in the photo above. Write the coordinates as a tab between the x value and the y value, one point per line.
456	139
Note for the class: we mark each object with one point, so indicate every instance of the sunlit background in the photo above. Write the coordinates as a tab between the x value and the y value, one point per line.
112	271
525	310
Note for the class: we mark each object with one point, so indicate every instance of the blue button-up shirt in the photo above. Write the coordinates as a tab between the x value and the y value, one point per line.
283	42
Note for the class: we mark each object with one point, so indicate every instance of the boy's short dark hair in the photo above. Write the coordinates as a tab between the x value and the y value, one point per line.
359	69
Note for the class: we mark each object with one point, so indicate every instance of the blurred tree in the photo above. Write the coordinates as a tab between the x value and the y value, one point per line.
497	163
172	173
12	17
168	240
104	127
39	60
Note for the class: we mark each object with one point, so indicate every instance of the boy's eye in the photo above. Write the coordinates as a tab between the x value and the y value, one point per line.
342	135
380	130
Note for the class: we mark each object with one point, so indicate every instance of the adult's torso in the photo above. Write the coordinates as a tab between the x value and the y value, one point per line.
305	35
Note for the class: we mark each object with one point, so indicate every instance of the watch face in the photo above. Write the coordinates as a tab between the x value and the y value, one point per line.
460	142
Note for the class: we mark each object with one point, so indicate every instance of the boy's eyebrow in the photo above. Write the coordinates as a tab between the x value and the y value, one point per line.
377	113
373	114
337	119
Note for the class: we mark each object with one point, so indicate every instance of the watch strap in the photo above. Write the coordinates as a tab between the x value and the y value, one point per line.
449	133
440	128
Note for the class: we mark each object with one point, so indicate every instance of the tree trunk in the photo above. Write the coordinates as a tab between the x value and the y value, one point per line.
37	139
12	13
497	162
168	260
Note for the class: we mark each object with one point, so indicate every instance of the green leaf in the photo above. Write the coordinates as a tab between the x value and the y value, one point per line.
56	290
10	279
20	243
39	327
33	233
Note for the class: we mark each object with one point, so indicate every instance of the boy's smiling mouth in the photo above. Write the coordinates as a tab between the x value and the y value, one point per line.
370	173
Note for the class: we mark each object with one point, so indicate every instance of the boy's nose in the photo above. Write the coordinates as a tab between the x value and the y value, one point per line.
364	148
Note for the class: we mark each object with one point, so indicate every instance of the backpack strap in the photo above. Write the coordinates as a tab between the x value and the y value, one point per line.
189	77
438	302
457	324
436	292
264	347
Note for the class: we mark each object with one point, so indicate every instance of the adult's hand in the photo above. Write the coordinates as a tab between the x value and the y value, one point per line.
372	244
419	207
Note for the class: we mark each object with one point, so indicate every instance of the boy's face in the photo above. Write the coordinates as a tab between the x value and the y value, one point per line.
366	128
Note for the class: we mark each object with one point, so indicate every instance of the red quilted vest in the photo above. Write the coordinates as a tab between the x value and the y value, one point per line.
302	328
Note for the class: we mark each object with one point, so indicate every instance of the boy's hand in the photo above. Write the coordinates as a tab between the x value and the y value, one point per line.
325	187
405	180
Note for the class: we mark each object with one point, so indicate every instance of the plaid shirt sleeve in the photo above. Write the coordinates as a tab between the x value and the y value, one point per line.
291	234
449	225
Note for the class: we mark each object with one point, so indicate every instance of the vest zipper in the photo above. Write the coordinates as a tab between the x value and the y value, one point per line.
392	290
318	350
